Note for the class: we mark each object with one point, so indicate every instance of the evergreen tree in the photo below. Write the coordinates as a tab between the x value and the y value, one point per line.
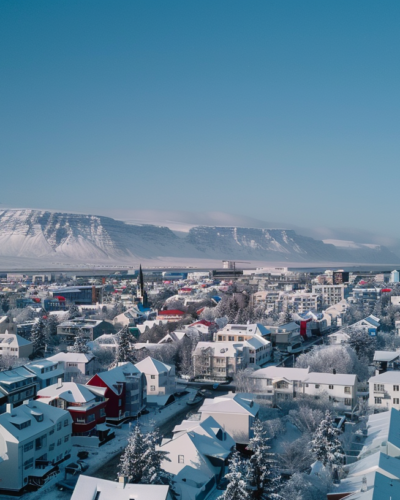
73	312
233	309
132	463
326	445
236	489
51	326
152	457
262	477
125	352
362	343
80	344
288	316
38	336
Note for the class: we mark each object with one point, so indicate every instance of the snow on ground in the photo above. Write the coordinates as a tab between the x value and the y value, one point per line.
100	456
291	434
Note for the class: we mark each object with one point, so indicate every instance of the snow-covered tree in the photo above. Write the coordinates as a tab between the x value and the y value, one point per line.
132	464
51	326
363	344
326	445
125	352
306	419
237	487
38	337
73	312
262	477
80	344
153	474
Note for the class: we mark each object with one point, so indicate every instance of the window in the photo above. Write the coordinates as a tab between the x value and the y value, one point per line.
103	412
152	387
347	390
317	386
66	439
119	402
28	463
51	432
251	360
396	401
378	401
347	401
28	446
395	387
379	387
331	387
58	442
153	377
66	422
51	447
90	418
59	426
181	459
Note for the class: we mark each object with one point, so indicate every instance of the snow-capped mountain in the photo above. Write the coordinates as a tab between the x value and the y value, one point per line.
77	238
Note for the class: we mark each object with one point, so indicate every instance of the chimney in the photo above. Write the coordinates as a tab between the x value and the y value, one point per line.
59	383
9	408
364	486
122	480
334	371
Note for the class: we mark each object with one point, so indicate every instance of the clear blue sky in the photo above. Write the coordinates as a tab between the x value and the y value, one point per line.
280	110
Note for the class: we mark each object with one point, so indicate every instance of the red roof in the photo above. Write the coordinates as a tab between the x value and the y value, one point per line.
172	312
386	290
202	322
186	289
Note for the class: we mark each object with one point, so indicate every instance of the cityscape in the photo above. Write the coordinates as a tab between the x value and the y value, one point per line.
199	259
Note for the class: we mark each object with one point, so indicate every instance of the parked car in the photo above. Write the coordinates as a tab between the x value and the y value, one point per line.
77	467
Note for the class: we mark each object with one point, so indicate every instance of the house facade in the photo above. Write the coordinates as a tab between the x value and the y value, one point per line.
75	364
125	391
16	386
34	439
15	346
160	377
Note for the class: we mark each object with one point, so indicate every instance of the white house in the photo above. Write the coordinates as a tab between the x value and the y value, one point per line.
196	456
93	488
75	364
331	294
367	325
160	378
14	345
234	412
341	388
338	338
221	360
384	390
274	383
239	333
47	371
34	438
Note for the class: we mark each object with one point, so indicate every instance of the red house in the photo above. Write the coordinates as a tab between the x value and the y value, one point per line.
85	404
170	315
125	391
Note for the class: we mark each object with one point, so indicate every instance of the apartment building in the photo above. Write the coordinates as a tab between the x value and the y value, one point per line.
16	386
384	390
34	439
331	294
160	379
15	346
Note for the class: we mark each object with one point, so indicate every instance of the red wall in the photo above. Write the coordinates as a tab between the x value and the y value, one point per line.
112	408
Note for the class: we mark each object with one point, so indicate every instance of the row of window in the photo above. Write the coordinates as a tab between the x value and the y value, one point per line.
381	388
378	401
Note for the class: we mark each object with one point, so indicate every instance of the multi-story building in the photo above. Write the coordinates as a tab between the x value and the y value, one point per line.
240	333
221	360
91	328
125	391
47	372
86	405
302	302
282	384
384	390
75	364
160	379
15	346
365	296
80	295
34	439
331	294
16	386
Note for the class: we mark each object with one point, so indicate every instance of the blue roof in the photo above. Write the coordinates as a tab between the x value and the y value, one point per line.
394	428
216	298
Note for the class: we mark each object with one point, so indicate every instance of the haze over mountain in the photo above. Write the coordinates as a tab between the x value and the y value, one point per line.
79	238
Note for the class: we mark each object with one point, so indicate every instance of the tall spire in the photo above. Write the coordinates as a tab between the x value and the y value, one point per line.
140	284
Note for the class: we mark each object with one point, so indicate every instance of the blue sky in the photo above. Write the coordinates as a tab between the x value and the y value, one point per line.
279	110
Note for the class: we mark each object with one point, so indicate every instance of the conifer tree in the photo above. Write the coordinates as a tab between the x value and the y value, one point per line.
125	352
73	312
132	463
236	489
326	445
153	457
80	344
38	336
262	478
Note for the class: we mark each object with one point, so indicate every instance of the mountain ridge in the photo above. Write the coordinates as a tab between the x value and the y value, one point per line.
41	234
